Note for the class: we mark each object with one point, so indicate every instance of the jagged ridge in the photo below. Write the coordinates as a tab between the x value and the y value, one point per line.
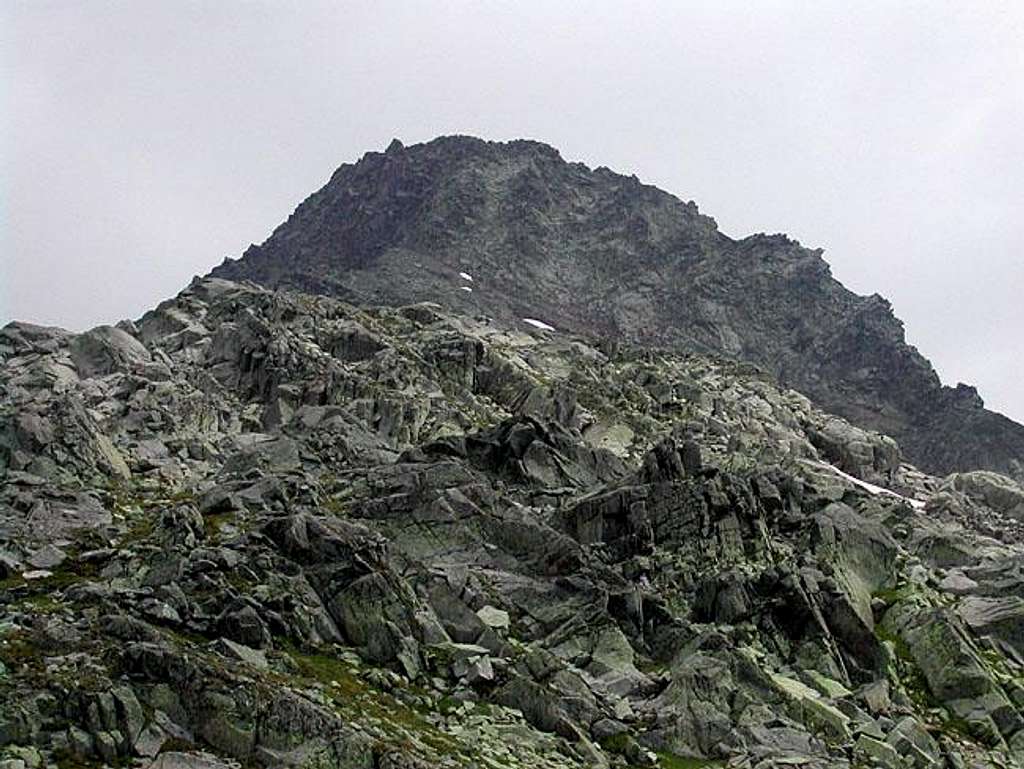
593	251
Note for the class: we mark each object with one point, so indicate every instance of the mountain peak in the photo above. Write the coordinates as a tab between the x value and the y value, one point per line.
596	252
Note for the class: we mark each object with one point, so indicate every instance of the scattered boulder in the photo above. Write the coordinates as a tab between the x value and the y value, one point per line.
991	489
105	350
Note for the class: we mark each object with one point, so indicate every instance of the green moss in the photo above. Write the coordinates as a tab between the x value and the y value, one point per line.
17	651
652	667
43	604
615	743
672	761
912	679
894	594
666	760
353	696
182	496
11	583
37	594
141	529
213	524
957	727
335	505
185	638
177	745
65	759
240	582
330	672
996	662
484	709
448	705
902	650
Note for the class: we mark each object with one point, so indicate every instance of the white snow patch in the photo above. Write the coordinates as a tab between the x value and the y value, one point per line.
538	324
466	288
466	276
917	504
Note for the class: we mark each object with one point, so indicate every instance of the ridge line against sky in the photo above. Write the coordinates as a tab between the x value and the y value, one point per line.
143	143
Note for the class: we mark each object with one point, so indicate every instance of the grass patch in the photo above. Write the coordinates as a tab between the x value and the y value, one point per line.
353	696
17	651
12	582
894	594
336	506
65	759
331	672
141	529
214	523
37	593
42	603
672	761
912	679
615	743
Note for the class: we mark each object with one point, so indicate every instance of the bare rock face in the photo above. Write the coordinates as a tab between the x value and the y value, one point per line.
596	252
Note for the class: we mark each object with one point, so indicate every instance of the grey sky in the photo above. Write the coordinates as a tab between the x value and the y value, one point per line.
143	142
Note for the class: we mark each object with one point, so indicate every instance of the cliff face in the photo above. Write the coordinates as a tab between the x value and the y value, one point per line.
591	251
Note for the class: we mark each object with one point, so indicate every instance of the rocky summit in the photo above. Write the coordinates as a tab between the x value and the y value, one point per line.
260	527
595	252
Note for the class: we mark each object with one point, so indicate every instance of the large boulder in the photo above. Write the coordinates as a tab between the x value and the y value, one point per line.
617	519
1001	617
693	713
863	454
935	641
992	489
106	349
862	557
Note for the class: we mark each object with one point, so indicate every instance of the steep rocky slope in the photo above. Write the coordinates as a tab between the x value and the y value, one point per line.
291	532
590	250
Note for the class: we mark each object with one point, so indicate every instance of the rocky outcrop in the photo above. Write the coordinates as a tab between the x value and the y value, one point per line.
269	529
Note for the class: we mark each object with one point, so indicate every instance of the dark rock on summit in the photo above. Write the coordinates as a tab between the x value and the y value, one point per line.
595	252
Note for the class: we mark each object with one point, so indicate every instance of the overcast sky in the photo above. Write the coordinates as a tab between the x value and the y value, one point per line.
143	142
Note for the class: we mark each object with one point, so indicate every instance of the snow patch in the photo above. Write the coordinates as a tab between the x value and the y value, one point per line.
538	324
917	504
466	276
466	288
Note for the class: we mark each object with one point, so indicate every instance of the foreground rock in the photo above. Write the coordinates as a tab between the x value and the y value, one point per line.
270	529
